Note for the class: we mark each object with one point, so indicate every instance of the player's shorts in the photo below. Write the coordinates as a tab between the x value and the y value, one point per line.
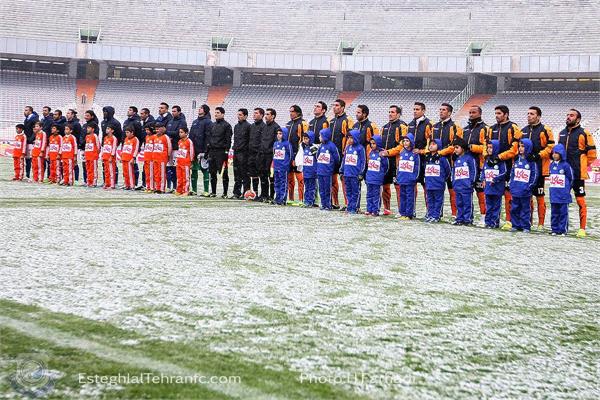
538	189
579	187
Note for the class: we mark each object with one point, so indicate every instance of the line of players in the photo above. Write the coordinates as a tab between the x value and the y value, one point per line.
253	148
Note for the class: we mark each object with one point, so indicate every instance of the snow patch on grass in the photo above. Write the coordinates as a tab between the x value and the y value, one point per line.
445	311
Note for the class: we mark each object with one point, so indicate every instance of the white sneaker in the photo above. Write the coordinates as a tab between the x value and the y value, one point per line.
482	220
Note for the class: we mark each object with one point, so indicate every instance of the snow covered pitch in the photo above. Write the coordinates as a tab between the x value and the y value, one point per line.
284	302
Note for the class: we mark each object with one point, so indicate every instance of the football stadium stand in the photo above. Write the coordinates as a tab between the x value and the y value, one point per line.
58	91
379	102
122	93
554	107
384	27
19	89
279	98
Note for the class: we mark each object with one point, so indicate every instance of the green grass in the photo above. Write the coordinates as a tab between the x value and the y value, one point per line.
73	361
130	282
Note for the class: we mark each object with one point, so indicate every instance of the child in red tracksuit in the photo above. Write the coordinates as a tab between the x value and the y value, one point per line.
92	152
149	159
68	155
38	153
109	157
53	154
129	153
183	157
19	153
161	154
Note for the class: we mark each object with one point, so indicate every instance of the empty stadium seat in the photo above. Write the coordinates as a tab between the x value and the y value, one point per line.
20	89
409	27
554	107
379	102
123	93
279	98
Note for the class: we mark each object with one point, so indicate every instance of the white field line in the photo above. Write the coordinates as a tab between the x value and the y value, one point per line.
60	338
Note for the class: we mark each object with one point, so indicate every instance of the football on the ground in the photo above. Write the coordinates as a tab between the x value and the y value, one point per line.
250	195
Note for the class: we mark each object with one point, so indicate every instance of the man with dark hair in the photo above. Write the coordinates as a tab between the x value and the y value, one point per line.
297	126
267	138
31	117
109	119
200	128
319	121
145	118
108	113
446	130
340	125
164	116
475	135
74	121
254	154
133	121
89	117
173	125
508	134
367	128
46	120
421	127
60	121
581	152
79	136
543	141
241	142
219	143
391	137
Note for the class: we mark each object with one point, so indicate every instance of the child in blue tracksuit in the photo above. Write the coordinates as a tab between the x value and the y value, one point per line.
309	168
561	180
282	153
327	158
353	168
409	165
493	174
463	179
377	167
437	172
523	178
